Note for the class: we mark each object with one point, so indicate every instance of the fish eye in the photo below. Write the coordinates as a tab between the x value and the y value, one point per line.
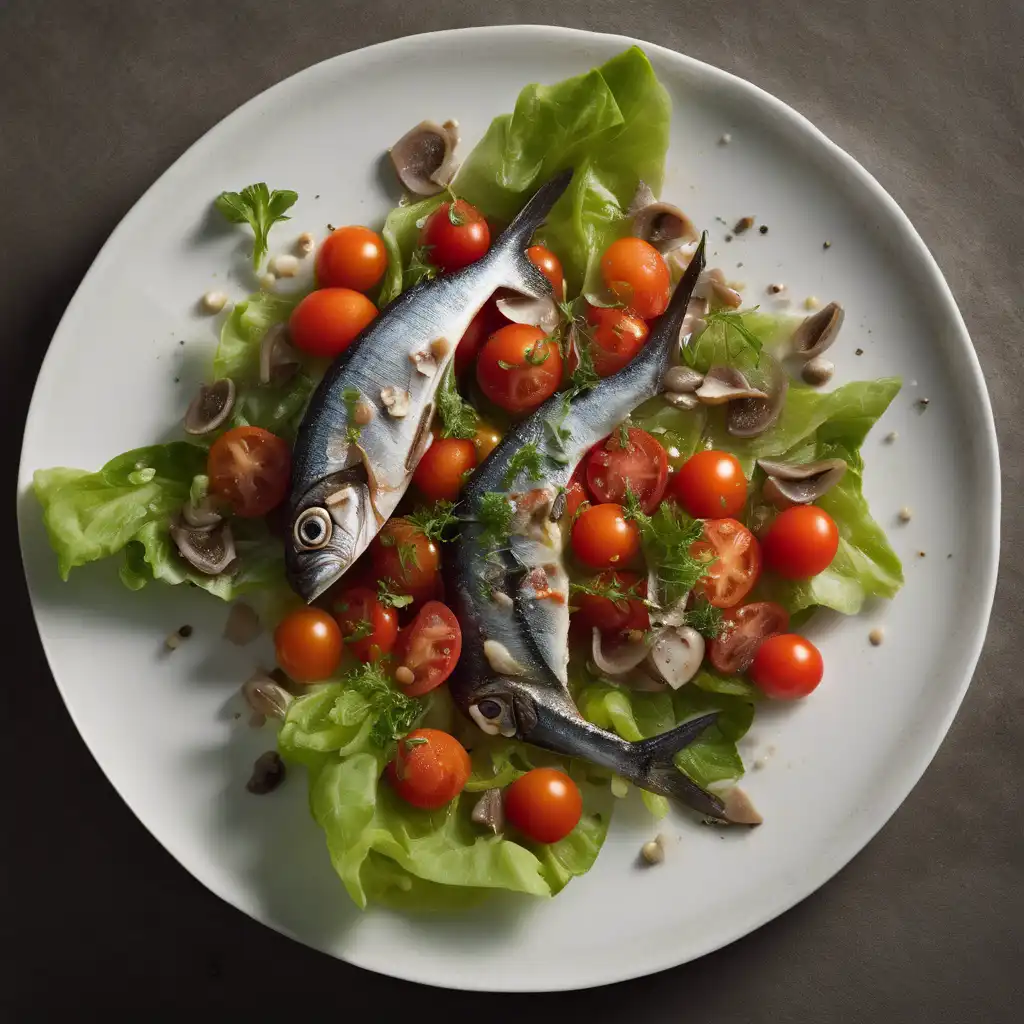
313	529
490	708
494	716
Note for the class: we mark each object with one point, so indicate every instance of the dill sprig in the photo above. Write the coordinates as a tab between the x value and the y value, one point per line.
394	713
706	619
610	588
668	537
389	598
458	417
495	513
434	521
420	268
526	460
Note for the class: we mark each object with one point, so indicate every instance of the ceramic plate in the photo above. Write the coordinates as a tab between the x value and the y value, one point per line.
164	729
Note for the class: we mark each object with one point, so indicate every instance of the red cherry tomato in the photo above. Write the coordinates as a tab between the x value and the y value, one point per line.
249	467
637	275
544	804
617	336
550	266
369	627
480	328
456	235
328	320
603	538
787	667
308	645
711	485
403	554
801	542
744	628
428	649
351	257
519	368
614	616
734	561
575	496
642	465
442	469
430	769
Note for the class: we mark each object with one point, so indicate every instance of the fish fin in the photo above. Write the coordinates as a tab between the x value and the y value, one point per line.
661	775
522	275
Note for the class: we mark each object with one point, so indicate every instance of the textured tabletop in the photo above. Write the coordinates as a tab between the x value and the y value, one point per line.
926	924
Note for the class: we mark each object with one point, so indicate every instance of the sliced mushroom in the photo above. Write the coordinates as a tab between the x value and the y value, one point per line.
279	360
396	401
817	332
209	549
211	407
693	320
617	659
818	371
804	483
682	401
726	384
265	696
424	157
490	810
752	416
524	309
676	655
202	515
665	226
243	624
738	809
715	287
682	380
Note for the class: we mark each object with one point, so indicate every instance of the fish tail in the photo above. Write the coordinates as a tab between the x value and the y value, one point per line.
655	768
522	275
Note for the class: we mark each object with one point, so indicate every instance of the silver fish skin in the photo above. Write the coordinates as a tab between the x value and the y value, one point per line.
511	593
353	458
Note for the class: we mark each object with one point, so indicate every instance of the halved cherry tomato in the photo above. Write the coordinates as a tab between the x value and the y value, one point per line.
249	467
575	496
637	275
519	367
351	257
617	616
617	336
328	320
787	666
442	469
486	439
456	235
801	542
430	768
550	266
428	649
744	628
405	555
544	804
308	645
368	626
480	328
603	538
735	561
711	485
642	465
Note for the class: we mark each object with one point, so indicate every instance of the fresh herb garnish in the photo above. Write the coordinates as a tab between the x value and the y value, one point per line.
495	514
526	460
351	397
394	713
420	268
624	436
258	207
458	417
389	598
406	552
667	537
706	619
362	629
558	433
435	520
613	590
732	320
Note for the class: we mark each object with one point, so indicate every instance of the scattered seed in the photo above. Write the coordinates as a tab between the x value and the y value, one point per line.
950	555
826	245
724	139
774	289
185	632
284	265
858	351
811	302
921	554
653	852
728	238
905	514
305	243
267	773
182	342
214	302
404	676
173	641
876	636
891	437
763	229
743	224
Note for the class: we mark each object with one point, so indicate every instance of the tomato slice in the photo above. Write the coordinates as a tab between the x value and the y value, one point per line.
615	616
428	649
735	561
745	628
641	463
249	467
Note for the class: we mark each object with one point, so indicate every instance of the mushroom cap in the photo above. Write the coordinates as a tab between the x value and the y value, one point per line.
805	482
682	380
617	659
676	654
211	407
818	371
817	332
424	157
724	384
665	226
265	696
525	309
279	359
749	417
209	549
490	810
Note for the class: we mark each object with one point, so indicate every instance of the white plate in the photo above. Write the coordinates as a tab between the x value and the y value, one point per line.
163	728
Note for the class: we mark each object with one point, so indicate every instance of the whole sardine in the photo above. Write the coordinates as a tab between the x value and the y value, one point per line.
510	593
368	422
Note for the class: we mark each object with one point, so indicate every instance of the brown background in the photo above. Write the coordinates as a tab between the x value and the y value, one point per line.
96	99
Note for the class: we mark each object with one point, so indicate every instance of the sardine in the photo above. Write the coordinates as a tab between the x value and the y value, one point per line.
368	422
510	593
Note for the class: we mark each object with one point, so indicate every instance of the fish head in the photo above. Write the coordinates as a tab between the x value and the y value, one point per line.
503	706
330	527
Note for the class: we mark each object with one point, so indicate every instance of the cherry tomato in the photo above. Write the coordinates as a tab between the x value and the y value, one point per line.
787	667
602	537
351	257
249	467
575	496
544	804
428	649
369	627
617	336
308	644
328	320
801	542
711	485
550	266
456	236
744	629
486	439
615	616
642	465
430	769
637	275
519	368
442	469
480	328
405	555
735	561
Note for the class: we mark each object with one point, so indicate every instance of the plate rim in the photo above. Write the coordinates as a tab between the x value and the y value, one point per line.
902	783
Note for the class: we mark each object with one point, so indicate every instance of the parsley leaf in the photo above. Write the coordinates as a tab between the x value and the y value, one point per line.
667	537
706	619
420	268
360	630
495	514
258	207
458	418
435	520
395	713
526	460
389	598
